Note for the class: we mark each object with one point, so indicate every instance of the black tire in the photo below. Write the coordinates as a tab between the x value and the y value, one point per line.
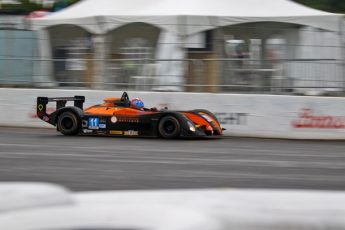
68	123
169	127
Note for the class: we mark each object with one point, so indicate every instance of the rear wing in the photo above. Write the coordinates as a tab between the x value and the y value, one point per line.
60	102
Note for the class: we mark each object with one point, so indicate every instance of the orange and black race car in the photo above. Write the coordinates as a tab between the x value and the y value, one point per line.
116	117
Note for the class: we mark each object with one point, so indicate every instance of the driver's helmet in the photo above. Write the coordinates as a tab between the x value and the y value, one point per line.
136	103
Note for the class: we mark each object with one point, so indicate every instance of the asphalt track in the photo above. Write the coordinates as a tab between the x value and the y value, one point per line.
102	163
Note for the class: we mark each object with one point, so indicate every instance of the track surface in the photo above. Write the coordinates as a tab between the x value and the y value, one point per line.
102	163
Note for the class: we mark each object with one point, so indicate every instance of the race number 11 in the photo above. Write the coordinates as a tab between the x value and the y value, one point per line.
94	122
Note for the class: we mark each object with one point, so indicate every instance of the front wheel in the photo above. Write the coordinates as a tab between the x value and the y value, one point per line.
68	123
169	127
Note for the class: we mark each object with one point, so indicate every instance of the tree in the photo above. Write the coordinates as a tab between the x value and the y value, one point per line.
334	6
60	4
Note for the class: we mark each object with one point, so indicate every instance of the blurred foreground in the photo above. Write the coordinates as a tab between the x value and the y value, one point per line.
42	206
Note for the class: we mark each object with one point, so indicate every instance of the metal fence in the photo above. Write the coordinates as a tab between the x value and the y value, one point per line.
222	64
197	75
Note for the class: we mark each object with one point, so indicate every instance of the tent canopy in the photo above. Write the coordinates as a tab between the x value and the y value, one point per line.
186	17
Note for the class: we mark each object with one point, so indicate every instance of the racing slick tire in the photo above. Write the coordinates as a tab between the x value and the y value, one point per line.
68	123
169	127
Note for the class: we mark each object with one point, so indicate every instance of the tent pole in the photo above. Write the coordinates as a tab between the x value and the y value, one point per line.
99	47
342	43
182	34
98	63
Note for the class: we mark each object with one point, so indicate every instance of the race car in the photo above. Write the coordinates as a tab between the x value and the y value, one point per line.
116	117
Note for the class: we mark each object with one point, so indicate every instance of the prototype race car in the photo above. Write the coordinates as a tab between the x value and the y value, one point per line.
116	117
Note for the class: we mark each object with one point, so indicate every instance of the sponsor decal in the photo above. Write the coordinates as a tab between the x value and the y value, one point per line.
307	119
33	114
93	123
131	133
103	121
87	131
40	107
102	126
101	132
206	117
128	119
114	132
45	118
113	119
232	118
40	114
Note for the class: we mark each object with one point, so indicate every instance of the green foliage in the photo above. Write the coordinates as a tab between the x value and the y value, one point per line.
333	6
67	2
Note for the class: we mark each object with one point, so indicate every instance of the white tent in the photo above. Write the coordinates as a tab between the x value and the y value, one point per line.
186	17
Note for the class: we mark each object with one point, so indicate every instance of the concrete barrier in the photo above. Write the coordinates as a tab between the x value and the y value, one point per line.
264	116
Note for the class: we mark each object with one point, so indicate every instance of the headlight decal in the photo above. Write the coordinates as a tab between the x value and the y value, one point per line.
191	126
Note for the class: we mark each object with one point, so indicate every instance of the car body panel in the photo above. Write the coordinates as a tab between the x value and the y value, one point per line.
115	117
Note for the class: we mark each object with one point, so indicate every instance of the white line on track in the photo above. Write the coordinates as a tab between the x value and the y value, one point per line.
129	150
99	157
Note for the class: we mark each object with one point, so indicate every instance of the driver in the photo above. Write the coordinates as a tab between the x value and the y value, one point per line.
136	103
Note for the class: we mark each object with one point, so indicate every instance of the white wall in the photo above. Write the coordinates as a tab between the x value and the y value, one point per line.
265	116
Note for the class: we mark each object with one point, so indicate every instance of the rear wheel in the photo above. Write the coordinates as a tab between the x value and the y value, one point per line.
169	127
68	123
